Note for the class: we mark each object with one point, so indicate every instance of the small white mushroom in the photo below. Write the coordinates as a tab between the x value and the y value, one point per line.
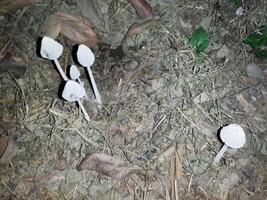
52	50
86	58
233	136
75	73
73	91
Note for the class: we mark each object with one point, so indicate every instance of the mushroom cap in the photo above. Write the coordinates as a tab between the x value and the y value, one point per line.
233	136
73	91
85	56
50	49
74	72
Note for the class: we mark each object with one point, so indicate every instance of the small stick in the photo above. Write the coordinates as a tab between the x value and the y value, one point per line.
86	116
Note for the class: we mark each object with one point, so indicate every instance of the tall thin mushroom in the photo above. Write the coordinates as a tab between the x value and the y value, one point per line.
86	58
52	50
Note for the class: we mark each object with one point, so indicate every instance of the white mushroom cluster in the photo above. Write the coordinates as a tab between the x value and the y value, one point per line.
74	89
232	135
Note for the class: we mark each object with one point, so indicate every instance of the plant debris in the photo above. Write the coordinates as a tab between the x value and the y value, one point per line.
167	88
142	8
108	165
16	64
72	28
13	5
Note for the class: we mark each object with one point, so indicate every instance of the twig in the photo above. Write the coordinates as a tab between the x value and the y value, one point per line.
156	127
189	184
8	188
85	138
3	49
188	119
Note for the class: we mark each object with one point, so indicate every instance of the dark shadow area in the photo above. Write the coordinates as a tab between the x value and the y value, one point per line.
38	46
74	54
68	71
60	90
218	133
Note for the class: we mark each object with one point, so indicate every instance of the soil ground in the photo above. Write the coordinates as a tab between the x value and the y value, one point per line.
162	114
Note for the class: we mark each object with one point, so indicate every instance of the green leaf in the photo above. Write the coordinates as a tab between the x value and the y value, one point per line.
199	40
238	3
257	39
261	53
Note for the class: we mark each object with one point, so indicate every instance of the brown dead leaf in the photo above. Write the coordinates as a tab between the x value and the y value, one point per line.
3	145
108	165
142	8
245	104
16	64
12	5
72	28
8	150
26	187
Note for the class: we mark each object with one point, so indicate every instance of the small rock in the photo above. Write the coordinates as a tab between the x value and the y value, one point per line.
229	182
254	71
205	23
117	139
74	176
264	148
203	97
157	83
185	25
223	52
176	91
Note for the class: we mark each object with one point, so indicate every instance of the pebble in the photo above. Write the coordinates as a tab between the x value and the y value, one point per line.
254	71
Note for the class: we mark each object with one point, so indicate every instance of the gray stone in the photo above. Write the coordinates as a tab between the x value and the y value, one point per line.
254	71
223	52
264	148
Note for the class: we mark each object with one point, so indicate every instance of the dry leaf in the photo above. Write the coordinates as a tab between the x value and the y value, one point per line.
72	28
16	64
142	8
245	104
26	187
12	5
108	165
3	145
8	150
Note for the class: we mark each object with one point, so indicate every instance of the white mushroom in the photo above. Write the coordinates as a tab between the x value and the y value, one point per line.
73	91
86	58
233	136
51	50
75	75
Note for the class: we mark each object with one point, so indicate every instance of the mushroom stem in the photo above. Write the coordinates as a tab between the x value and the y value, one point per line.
220	153
62	73
97	95
86	116
82	84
